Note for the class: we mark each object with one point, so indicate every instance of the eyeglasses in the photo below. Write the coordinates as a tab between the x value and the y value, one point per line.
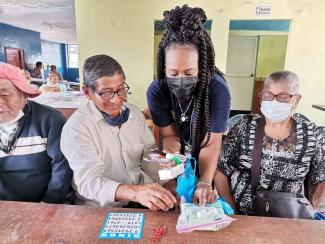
283	98
109	94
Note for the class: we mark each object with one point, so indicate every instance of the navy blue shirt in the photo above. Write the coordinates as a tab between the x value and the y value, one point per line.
35	169
159	102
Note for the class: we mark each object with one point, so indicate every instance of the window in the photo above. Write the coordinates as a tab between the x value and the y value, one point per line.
73	56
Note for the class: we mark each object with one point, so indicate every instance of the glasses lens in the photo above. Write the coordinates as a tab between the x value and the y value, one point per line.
284	98
107	95
267	96
122	92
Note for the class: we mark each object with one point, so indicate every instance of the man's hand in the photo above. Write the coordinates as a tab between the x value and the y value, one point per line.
154	197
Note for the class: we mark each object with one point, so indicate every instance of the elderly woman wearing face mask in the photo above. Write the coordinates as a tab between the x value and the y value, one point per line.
291	148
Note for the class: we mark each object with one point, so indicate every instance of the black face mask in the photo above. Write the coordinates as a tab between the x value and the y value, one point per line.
183	88
119	120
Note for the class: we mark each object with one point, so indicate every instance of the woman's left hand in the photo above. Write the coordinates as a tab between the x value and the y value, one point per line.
203	195
318	195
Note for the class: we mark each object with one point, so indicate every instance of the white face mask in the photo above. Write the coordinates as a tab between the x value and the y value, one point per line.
8	129
276	111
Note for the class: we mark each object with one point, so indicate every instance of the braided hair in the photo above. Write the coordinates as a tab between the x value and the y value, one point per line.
184	26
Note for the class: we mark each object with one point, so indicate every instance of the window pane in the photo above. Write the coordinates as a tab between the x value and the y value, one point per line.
73	56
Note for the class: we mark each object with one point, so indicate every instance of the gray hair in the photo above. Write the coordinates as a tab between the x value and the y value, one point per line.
287	77
97	66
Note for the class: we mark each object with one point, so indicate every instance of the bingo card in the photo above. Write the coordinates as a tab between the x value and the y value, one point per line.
123	226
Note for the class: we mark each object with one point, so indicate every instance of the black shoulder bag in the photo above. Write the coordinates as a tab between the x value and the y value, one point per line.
270	203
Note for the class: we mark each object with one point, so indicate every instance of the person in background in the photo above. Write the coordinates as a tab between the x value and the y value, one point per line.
28	78
54	73
27	75
105	141
37	71
54	83
32	166
292	148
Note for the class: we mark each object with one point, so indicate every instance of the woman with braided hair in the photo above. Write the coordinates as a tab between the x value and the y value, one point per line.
190	100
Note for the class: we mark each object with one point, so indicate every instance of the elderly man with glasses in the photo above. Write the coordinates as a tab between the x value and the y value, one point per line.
105	140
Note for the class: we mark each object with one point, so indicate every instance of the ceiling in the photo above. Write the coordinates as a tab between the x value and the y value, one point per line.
55	20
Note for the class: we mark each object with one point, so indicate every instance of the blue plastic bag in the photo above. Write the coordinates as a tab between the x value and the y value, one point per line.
227	209
186	182
320	215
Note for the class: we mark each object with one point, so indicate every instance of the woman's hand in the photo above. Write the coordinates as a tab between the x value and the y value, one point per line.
318	195
204	194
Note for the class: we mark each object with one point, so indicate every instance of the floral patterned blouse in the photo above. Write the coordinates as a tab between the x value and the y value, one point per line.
284	163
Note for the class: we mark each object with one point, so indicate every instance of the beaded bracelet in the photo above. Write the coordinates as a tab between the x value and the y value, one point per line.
204	183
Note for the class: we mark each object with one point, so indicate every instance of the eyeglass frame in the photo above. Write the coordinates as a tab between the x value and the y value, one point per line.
126	88
276	96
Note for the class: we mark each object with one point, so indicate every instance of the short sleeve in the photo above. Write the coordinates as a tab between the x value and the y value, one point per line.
219	104
318	162
159	107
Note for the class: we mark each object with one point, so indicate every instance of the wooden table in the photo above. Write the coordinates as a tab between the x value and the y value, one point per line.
320	107
50	223
66	102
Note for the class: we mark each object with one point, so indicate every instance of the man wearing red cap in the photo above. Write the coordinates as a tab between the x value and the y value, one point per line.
32	166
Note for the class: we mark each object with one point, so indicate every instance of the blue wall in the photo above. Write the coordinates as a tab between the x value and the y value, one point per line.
261	25
73	74
30	41
36	49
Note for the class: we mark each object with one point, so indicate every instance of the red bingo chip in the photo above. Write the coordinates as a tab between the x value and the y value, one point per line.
159	232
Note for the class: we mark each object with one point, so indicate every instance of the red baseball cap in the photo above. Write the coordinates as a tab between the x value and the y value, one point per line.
14	74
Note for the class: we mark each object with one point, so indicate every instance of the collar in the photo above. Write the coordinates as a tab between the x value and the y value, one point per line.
97	115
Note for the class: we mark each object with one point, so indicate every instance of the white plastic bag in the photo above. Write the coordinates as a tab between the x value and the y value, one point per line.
194	217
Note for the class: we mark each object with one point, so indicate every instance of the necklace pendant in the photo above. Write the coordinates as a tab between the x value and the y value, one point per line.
183	118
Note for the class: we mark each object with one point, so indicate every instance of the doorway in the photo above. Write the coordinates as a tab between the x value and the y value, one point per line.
271	57
14	56
240	70
256	48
